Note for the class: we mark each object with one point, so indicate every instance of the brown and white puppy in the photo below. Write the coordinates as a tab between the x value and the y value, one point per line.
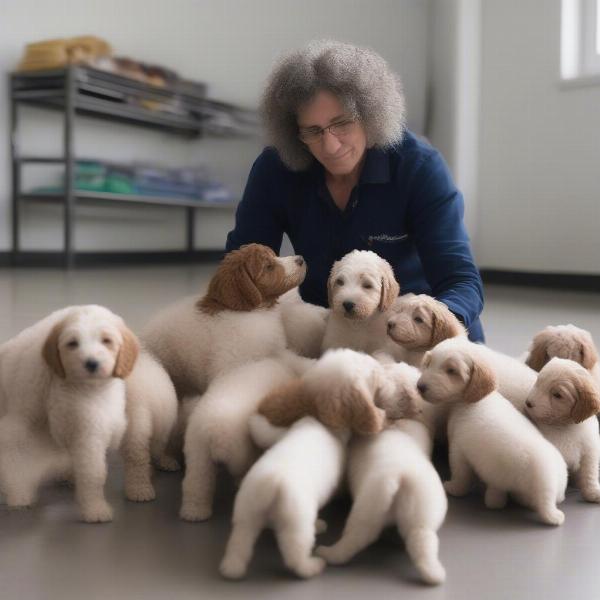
488	437
346	389
563	404
564	341
234	322
418	322
64	399
361	290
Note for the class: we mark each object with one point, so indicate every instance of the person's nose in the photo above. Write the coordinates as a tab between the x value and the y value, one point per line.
331	144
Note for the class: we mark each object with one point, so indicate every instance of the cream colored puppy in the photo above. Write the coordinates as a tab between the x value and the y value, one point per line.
361	289
151	417
64	397
234	322
563	404
487	437
393	482
284	490
217	431
564	341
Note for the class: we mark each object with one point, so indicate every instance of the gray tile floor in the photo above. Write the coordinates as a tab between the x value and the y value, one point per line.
147	552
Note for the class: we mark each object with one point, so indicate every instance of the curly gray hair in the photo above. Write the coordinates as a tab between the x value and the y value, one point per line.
359	77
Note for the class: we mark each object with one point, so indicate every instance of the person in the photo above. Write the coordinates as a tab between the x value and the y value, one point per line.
343	172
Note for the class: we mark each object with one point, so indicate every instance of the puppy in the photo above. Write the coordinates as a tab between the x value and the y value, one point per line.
419	322
151	416
217	430
235	322
345	389
564	341
284	490
488	437
393	482
304	324
563	404
64	396
361	290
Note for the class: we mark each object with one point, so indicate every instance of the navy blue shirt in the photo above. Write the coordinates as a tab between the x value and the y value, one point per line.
405	208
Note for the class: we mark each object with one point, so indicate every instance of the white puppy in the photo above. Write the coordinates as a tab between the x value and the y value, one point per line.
284	490
151	416
361	289
236	321
304	324
488	437
217	431
64	397
563	404
393	482
564	341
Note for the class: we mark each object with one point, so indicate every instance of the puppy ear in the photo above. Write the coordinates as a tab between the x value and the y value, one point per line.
128	353
331	282
444	323
426	361
538	355
482	382
588	401
389	287
589	354
50	350
286	404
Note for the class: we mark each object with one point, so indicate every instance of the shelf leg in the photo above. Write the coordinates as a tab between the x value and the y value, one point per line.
16	182
190	218
69	162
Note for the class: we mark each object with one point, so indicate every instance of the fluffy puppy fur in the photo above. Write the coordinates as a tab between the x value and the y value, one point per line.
304	324
418	322
488	437
564	341
151	416
284	490
361	290
346	389
64	398
217	431
236	321
563	404
393	482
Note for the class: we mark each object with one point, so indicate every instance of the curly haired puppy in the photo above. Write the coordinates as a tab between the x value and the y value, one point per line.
284	489
346	389
563	404
487	437
393	482
236	321
564	341
418	322
361	290
64	397
217	430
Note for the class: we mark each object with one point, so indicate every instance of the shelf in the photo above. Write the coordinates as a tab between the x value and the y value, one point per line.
103	197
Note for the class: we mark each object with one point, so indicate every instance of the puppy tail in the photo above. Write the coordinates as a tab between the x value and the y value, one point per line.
263	433
286	404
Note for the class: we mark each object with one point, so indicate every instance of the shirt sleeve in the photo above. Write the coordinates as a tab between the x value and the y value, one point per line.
258	219
436	213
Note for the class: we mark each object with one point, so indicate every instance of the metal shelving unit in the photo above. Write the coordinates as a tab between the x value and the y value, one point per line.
90	92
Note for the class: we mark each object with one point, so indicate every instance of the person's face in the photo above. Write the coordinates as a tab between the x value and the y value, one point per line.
339	152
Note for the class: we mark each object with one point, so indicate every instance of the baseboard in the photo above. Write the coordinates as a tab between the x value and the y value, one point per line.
104	259
566	281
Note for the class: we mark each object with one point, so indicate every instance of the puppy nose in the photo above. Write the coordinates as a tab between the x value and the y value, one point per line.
391	325
299	261
529	404
421	387
348	306
91	365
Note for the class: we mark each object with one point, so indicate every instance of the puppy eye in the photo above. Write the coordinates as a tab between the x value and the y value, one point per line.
557	395
270	267
73	344
339	281
367	286
451	371
106	341
418	320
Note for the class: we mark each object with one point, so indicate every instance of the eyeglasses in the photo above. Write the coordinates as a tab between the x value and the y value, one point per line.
312	135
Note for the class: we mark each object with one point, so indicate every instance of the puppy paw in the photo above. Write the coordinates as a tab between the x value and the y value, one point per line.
167	463
140	493
553	517
195	512
233	567
19	501
310	567
591	495
432	573
331	554
454	488
100	512
320	526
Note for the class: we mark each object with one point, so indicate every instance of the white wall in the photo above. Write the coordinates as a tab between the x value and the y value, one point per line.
539	177
231	44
